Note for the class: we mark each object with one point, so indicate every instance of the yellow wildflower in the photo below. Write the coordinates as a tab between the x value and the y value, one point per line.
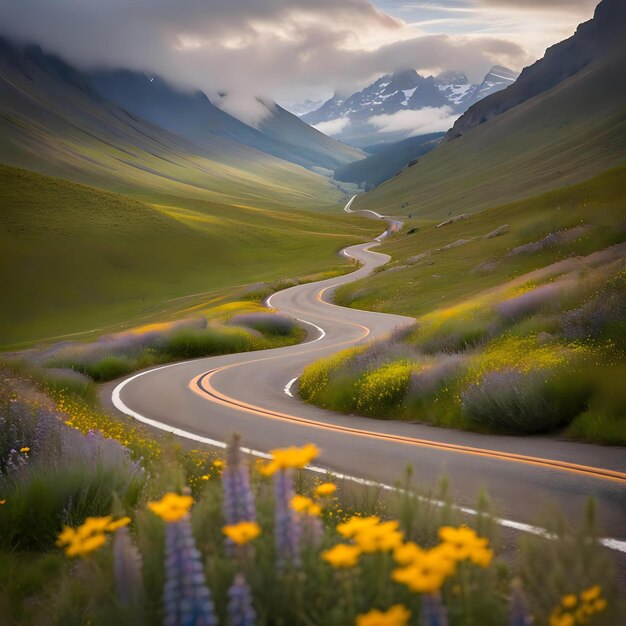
397	615
569	601
427	572
464	543
243	532
302	504
342	555
83	547
292	457
218	463
3	501
205	477
407	552
25	449
591	594
355	524
562	619
380	538
120	523
89	536
171	507
325	489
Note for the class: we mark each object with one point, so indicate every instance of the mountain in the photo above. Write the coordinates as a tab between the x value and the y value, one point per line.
306	106
387	160
192	115
593	41
349	119
561	122
54	120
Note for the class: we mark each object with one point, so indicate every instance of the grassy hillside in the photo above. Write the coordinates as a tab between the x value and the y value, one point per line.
52	122
568	134
73	258
521	321
434	267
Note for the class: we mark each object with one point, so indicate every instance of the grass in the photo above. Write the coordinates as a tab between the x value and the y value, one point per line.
559	138
76	259
522	332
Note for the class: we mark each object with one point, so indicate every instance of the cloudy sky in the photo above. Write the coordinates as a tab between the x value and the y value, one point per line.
289	50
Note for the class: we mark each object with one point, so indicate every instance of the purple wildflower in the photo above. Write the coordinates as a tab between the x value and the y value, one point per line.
433	611
238	499
186	598
286	522
240	609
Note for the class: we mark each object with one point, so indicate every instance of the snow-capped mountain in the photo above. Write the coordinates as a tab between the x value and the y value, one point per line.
301	108
358	118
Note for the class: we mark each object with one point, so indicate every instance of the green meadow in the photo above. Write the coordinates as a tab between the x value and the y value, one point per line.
76	259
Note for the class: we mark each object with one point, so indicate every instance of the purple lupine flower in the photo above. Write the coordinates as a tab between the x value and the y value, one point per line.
127	567
518	609
433	611
240	609
238	499
286	522
186	598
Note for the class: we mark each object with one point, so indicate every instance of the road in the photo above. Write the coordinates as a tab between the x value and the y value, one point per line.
255	395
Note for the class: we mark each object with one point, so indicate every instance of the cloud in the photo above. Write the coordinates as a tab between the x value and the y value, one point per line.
333	127
422	121
283	49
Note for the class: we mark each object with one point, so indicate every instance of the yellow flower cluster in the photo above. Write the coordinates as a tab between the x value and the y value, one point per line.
84	418
243	532
575	610
368	534
306	506
292	457
89	536
342	555
397	615
325	490
425	571
171	507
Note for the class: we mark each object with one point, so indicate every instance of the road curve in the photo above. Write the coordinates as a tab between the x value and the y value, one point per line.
255	394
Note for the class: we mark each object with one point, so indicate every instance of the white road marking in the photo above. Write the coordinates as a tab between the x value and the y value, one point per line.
608	542
321	331
288	386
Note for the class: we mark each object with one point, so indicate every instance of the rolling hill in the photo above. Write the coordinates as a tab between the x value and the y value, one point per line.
53	121
76	259
569	132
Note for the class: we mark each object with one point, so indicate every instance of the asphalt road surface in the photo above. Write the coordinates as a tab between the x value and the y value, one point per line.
255	395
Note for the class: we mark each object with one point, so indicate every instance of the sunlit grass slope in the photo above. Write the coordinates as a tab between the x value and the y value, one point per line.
73	258
563	136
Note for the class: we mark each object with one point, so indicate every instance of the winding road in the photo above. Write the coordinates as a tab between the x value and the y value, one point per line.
208	399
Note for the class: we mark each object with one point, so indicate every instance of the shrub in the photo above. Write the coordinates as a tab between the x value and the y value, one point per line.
524	402
190	343
381	393
267	323
52	475
109	367
59	379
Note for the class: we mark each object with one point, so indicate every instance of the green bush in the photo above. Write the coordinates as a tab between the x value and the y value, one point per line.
193	343
381	393
109	367
525	402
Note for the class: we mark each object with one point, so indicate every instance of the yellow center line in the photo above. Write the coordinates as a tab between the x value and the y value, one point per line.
202	386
